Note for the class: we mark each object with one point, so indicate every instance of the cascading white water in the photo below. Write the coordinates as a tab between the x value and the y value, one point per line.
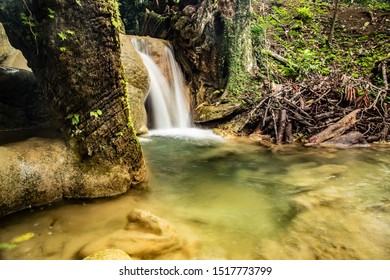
168	102
170	111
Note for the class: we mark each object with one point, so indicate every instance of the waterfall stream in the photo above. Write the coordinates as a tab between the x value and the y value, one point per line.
169	108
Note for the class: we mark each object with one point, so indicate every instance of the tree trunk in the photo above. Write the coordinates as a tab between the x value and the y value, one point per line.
73	49
331	33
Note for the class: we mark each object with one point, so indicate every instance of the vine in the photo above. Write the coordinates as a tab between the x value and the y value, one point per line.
28	21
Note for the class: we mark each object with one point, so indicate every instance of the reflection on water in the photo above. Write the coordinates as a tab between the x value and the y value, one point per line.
235	201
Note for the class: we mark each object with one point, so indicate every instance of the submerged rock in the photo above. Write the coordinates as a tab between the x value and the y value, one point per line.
109	254
310	175
144	237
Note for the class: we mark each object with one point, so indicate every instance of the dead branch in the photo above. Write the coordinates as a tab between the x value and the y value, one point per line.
335	129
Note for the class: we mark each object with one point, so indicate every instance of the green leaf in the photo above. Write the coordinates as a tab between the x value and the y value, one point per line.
62	36
22	238
75	119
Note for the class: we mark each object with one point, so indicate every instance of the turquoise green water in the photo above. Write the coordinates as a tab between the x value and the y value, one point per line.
232	200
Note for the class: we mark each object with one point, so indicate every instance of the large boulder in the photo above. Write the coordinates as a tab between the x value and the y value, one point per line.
39	171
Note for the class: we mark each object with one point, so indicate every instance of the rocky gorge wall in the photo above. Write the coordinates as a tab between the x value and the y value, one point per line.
213	46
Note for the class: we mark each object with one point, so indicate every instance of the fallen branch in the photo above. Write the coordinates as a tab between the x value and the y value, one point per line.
335	129
280	58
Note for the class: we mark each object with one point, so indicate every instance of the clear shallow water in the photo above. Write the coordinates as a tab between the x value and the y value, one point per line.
232	200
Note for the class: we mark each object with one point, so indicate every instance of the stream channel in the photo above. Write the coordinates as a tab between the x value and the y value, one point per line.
234	200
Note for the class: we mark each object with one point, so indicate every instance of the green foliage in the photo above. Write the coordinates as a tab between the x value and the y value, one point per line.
26	20
304	14
62	49
96	113
75	118
297	30
62	36
70	32
51	13
78	2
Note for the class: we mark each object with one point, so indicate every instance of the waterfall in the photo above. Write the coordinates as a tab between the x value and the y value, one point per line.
169	107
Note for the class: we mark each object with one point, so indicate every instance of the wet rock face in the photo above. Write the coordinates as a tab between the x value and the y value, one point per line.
145	236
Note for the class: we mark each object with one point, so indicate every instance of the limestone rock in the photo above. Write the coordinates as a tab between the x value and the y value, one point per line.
30	173
9	56
5	47
138	83
109	254
144	237
206	113
39	171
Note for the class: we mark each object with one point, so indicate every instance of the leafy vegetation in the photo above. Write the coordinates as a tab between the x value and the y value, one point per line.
308	81
298	30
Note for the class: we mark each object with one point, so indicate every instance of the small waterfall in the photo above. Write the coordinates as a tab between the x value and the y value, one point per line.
169	107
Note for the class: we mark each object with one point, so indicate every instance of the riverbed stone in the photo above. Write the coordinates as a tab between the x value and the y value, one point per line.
310	175
109	254
328	233
145	236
